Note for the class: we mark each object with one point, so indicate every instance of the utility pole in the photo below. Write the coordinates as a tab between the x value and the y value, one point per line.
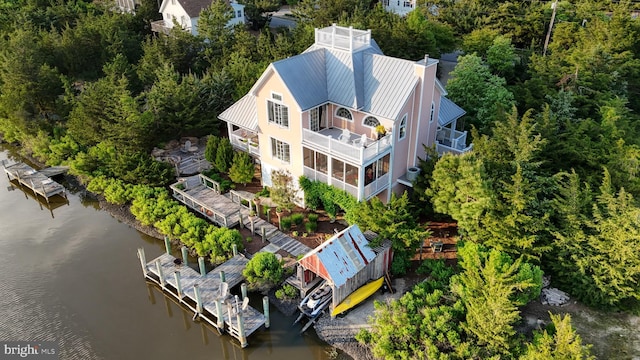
554	6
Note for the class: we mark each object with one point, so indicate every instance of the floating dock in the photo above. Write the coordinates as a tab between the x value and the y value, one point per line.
37	181
206	293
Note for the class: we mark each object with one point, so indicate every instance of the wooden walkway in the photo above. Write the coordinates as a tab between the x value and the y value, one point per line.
37	181
222	311
202	195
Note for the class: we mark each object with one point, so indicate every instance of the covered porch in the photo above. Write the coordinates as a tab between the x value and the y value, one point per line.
361	181
448	139
245	140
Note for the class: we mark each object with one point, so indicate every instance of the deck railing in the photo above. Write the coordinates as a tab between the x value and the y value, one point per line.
245	143
356	154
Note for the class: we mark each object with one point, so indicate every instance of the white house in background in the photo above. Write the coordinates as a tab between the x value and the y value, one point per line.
186	13
316	114
127	6
400	7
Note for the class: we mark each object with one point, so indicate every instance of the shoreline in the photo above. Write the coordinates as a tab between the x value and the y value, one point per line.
331	331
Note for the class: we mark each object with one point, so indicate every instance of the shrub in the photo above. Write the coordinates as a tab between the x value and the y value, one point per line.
313	217
266	210
290	291
265	192
287	292
295	233
263	269
311	226
297	218
286	222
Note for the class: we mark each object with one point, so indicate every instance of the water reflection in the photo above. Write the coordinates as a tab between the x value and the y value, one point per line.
75	279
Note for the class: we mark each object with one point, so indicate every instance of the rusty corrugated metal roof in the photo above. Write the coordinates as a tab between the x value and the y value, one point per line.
341	257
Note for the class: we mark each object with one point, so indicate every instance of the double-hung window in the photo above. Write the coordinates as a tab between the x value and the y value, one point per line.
280	150
278	112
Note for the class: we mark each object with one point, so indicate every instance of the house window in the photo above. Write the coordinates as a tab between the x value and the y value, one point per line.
308	157
316	119
278	113
433	111
321	163
402	133
337	167
377	169
239	13
344	113
280	150
370	121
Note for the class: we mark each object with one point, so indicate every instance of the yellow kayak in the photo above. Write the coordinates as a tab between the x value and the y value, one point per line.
358	296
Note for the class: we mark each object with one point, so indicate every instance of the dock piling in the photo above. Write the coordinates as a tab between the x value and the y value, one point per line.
160	273
243	290
219	315
241	334
185	255
196	290
264	234
203	270
234	249
241	221
167	244
253	227
176	275
265	306
222	277
143	261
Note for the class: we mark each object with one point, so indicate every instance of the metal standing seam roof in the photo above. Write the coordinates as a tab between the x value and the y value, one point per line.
388	83
449	111
342	256
242	113
305	77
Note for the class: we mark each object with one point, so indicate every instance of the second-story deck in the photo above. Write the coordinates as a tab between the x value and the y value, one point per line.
452	141
351	147
245	140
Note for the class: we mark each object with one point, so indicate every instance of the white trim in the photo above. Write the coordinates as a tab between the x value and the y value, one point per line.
344	118
372	117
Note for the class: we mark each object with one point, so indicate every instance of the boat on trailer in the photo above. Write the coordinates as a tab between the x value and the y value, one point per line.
316	301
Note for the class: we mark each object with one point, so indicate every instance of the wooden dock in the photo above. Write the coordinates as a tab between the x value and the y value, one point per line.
203	195
202	294
37	181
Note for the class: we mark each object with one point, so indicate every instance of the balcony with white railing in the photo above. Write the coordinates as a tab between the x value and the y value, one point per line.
246	141
452	141
340	143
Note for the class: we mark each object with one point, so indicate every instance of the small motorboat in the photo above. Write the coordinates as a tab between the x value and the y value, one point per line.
316	301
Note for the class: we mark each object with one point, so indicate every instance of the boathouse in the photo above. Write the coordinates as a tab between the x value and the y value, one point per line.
346	262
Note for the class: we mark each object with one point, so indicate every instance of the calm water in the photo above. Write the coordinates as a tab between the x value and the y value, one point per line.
71	275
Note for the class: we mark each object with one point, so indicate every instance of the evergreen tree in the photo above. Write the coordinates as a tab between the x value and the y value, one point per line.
211	149
560	343
491	287
224	155
242	169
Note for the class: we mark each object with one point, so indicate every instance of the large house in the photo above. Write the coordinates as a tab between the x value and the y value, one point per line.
317	114
185	13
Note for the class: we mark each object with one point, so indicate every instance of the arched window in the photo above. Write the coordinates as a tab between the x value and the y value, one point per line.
371	121
344	113
402	133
